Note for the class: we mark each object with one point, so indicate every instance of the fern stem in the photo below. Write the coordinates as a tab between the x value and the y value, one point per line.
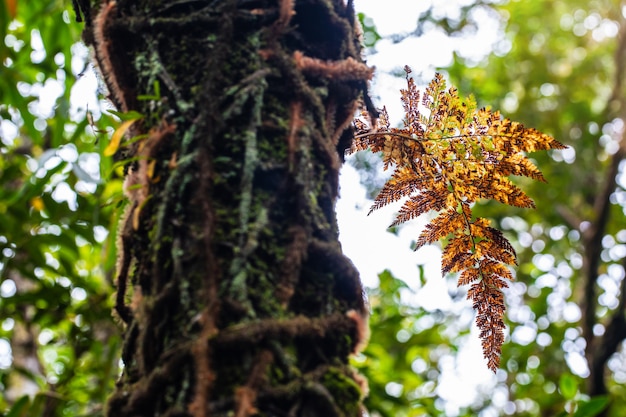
421	139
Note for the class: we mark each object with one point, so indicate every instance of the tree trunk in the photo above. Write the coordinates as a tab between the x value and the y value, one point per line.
236	297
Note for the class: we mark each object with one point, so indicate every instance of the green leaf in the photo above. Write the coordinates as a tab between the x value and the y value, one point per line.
130	115
39	404
568	386
592	407
20	407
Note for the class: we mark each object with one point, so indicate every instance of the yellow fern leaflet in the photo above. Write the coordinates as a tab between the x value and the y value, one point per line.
448	155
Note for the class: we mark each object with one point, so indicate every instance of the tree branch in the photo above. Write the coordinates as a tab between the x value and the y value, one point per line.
598	351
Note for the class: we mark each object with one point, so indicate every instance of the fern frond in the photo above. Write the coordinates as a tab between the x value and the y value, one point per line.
423	202
495	272
448	155
497	237
501	189
448	221
468	276
458	255
402	183
521	166
490	249
366	136
489	305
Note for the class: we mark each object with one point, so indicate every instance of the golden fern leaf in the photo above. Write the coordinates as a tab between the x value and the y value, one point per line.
414	120
448	221
501	189
520	139
458	254
495	272
365	139
448	155
468	276
497	237
489	305
519	165
420	203
402	183
489	249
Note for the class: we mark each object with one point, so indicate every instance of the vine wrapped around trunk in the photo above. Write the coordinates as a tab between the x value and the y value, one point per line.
236	297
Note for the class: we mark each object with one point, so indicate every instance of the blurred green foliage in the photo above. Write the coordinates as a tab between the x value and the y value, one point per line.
560	69
58	341
370	35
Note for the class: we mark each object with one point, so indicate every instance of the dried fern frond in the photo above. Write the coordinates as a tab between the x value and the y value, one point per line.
448	155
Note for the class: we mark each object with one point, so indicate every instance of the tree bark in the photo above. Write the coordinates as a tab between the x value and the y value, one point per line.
599	349
235	294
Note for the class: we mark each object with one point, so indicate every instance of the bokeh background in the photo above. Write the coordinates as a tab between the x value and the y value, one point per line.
558	66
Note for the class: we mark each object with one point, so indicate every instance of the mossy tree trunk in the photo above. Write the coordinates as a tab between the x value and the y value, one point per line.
236	297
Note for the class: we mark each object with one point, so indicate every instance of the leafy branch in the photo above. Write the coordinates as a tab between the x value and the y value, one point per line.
448	155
